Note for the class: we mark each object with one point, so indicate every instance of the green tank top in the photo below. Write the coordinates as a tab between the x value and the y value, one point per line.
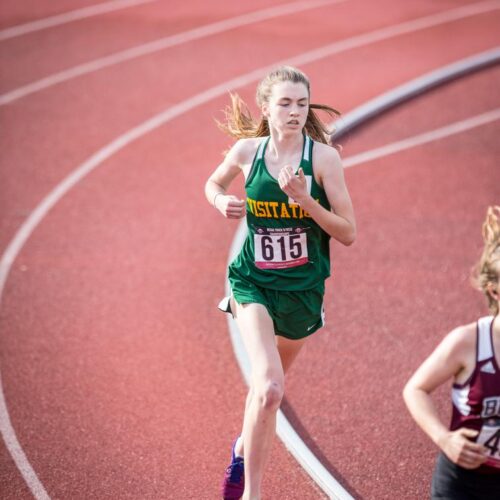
284	249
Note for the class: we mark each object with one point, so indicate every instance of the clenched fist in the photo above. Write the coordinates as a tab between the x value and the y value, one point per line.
230	206
295	186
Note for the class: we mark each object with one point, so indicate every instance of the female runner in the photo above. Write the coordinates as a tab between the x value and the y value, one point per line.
468	466
296	199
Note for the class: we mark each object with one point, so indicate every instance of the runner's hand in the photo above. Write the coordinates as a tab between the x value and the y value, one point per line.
459	448
230	206
295	186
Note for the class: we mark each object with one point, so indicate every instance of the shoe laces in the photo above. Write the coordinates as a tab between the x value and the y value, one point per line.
235	471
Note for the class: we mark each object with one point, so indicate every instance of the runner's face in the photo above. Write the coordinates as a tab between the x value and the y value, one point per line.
287	107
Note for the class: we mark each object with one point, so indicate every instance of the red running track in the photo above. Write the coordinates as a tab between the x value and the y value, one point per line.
400	289
116	368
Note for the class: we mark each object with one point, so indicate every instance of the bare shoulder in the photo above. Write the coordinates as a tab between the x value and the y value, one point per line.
462	340
243	150
326	158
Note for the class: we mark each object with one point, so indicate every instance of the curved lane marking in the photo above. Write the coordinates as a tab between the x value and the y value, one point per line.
413	88
417	140
219	27
360	115
16	451
284	429
161	44
41	210
68	17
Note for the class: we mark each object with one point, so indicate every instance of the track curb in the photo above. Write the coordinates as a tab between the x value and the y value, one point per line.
359	116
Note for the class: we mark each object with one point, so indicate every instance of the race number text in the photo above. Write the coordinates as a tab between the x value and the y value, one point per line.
280	248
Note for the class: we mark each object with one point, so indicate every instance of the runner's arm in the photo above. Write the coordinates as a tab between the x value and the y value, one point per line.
444	363
339	223
217	184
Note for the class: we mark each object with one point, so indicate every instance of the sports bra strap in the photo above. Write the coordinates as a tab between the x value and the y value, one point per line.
484	346
307	149
261	148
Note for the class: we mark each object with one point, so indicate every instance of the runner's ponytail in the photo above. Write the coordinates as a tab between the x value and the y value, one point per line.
240	124
486	272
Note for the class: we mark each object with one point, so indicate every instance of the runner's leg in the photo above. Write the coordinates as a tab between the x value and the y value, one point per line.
288	350
267	386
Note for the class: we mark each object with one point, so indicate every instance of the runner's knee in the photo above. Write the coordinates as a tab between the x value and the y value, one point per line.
270	393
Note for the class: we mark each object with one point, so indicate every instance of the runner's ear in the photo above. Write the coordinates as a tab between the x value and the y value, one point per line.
492	291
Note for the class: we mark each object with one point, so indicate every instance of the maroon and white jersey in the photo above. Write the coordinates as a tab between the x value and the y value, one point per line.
476	403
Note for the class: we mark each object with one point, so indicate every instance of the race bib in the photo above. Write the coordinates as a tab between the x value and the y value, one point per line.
490	438
280	248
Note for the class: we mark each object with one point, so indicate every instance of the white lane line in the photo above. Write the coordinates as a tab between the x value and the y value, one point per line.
68	17
41	210
413	88
219	27
284	429
16	451
417	140
398	29
162	44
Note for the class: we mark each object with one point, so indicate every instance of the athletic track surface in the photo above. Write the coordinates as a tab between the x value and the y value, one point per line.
118	376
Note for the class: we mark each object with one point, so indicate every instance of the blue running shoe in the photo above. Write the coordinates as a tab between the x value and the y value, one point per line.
234	478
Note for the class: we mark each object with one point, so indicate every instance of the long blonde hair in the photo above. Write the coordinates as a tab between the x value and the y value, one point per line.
240	124
486	272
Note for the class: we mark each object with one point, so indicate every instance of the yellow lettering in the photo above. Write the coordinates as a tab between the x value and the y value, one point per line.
268	213
274	209
284	212
250	204
274	205
261	212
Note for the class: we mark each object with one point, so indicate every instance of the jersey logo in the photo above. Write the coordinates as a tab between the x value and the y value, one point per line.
488	368
276	209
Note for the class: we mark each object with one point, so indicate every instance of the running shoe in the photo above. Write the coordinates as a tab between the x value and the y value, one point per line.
234	478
